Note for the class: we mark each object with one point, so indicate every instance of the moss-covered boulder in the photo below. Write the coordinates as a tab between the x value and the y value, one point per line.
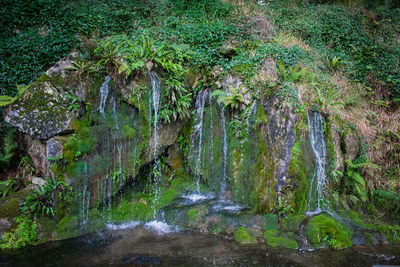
43	111
244	236
326	231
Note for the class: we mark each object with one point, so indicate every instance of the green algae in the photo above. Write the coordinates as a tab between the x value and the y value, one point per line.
243	236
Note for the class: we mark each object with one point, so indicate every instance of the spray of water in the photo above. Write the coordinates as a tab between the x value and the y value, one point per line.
318	190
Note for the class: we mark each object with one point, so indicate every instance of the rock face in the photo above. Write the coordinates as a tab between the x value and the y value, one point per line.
351	146
336	145
37	151
43	111
53	148
280	138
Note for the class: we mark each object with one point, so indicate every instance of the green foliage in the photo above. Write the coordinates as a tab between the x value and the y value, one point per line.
388	200
293	73
327	96
7	149
335	63
46	199
281	207
234	99
322	229
24	234
354	182
81	67
128	55
337	32
243	237
7	100
7	187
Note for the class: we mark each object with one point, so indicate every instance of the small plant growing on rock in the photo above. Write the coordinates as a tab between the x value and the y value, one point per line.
234	100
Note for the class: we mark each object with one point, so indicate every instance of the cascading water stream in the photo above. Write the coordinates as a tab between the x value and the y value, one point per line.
156	93
198	131
104	94
223	185
318	191
211	134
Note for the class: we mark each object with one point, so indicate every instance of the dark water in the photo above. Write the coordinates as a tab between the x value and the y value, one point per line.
139	247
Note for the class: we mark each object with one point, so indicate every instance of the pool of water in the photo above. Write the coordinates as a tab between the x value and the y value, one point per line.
141	246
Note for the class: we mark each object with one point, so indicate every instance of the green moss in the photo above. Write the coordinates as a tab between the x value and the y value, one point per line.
270	222
242	236
10	208
323	230
68	227
275	241
272	238
292	222
265	170
300	172
196	214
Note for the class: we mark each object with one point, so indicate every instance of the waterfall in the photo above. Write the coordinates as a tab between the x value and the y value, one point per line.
198	131
225	154
317	196
85	199
251	116
104	94
211	134
156	92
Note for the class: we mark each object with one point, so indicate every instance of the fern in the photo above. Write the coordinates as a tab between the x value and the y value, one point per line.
9	146
389	197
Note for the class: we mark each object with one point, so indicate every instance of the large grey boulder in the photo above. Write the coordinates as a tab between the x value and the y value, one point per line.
42	112
280	137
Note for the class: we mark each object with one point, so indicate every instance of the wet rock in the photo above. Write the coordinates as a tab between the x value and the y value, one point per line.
61	67
4	226
280	137
352	146
37	151
53	148
167	135
38	181
338	150
175	159
43	111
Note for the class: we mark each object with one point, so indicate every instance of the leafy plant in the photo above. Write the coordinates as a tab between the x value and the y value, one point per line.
8	146
6	100
335	62
7	187
281	207
45	199
24	234
81	67
293	73
234	99
355	182
327	98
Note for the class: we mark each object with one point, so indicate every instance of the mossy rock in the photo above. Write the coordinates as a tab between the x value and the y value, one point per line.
272	238
244	236
10	208
270	222
196	214
292	222
323	231
68	227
